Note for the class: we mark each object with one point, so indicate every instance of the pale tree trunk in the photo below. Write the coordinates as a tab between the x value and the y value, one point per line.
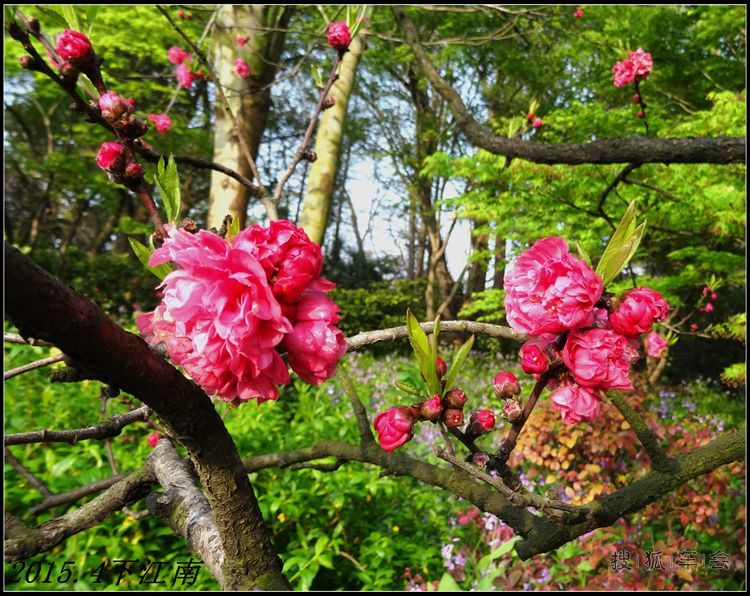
478	269
249	99
320	180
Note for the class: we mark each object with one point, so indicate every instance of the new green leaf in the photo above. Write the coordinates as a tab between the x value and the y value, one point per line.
168	182
143	253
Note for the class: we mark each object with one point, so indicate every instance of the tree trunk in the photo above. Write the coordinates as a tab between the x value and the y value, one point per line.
249	99
497	281
317	202
478	268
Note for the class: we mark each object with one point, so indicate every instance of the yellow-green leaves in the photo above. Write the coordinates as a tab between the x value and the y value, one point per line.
621	247
458	360
168	183
143	253
424	352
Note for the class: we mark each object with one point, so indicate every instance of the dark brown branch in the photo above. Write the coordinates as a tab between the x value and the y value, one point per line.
26	473
634	150
103	430
610	187
41	306
365	434
366	338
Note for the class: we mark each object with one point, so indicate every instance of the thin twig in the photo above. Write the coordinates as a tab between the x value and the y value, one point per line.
26	473
75	494
9	374
359	409
108	428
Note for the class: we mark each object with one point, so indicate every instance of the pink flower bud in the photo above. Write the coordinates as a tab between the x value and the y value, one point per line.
241	41
133	170
453	418
706	290
180	14
578	13
530	116
395	427
512	410
111	157
636	310
339	36
708	307
694	326
714	296
455	398
441	367
533	359
431	408
636	98
241	68
177	55
505	384
184	76
537	123
162	122
113	106
153	439
640	114
481	422
74	47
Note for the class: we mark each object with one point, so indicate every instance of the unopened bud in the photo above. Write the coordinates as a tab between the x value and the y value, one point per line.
440	367
512	410
328	103
505	384
480	459
453	418
111	157
28	62
33	24
133	170
640	114
74	47
481	423
153	439
310	156
431	408
455	398
67	71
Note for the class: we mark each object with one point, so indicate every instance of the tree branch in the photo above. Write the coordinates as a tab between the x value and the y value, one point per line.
13	372
26	473
73	495
634	150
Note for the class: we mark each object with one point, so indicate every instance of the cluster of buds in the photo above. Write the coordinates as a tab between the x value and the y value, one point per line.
535	122
707	296
120	164
395	426
508	389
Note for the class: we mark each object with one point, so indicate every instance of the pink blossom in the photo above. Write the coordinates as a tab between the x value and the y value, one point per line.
505	384
578	13
636	311
291	260
339	36
241	68
111	157
708	307
599	358
576	403
113	106
481	422
642	63
241	41
74	47
656	345
533	358
184	76
601	318
177	55
218	317
162	122
537	123
395	427
153	439
315	344
549	290
432	408
623	73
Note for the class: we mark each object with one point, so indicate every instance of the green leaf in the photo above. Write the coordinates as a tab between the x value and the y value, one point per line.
168	182
621	246
434	339
71	17
409	388
458	361
423	353
317	77
582	253
91	17
448	584
143	253
52	15
501	550
233	228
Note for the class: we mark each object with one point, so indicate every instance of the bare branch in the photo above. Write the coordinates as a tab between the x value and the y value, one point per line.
359	409
26	473
9	374
74	495
14	338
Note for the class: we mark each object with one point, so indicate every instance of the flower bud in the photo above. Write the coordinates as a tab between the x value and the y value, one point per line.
28	62
512	410
636	98
153	439
310	156
480	459
533	359
636	310
241	68
328	103
708	307
241	41
578	13
431	408
113	106
505	384
530	117
714	296
453	418
706	290
537	123
111	157
339	36
74	47
440	367
133	170
694	326
395	427
481	422
455	398
640	114
33	24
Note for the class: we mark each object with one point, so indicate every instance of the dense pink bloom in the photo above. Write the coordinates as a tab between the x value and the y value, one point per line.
218	318
241	41
599	358
74	47
113	106
315	344
637	310
623	73
440	367
537	123
241	68
431	408
549	290
601	318
339	36
153	439
533	358
505	384
395	427
177	55
656	345
184	76
642	63
111	156
162	122
576	403
481	422
291	260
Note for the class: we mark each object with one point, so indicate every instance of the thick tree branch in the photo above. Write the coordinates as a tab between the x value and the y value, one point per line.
633	150
41	306
104	430
366	338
